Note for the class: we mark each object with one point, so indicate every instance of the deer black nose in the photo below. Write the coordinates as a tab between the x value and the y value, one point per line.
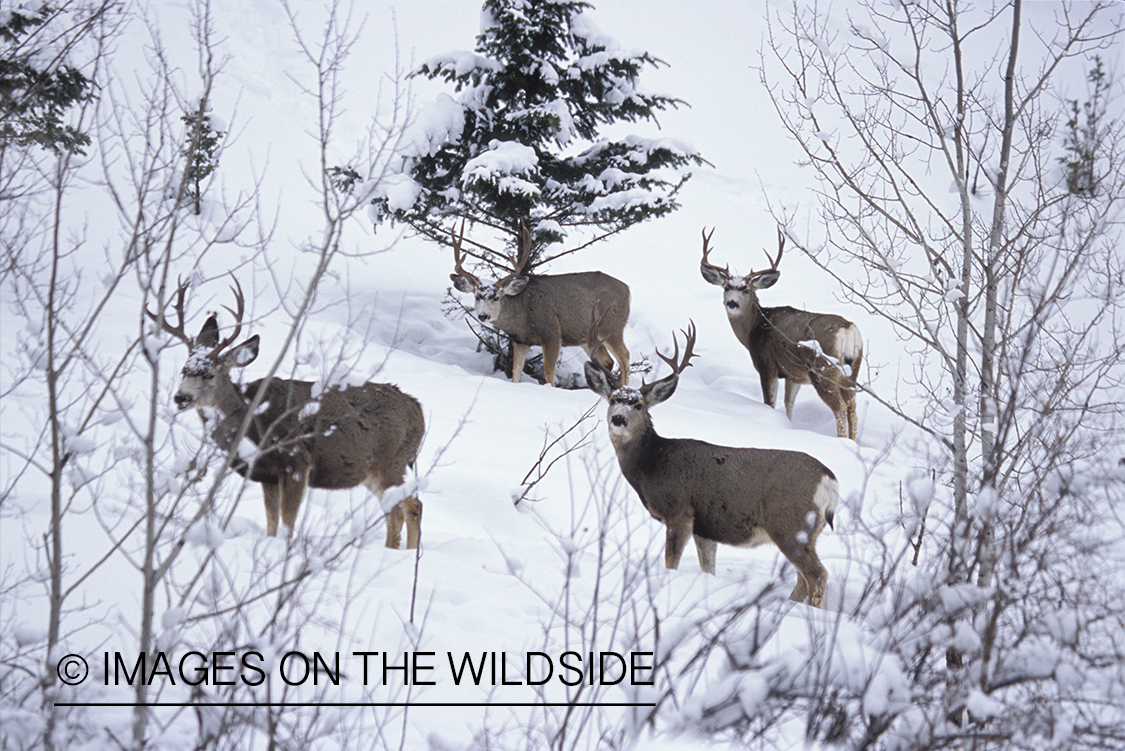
618	421
732	305
482	316
182	400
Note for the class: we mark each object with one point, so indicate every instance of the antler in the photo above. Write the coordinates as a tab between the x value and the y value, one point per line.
176	331
458	256
594	341
679	366
773	261
521	257
240	303
725	271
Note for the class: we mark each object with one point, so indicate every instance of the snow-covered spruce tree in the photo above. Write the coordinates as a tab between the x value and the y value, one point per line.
37	85
520	143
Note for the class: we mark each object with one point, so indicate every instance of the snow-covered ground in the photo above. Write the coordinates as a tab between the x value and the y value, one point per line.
578	565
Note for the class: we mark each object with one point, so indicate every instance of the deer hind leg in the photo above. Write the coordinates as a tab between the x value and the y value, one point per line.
550	359
272	493
769	390
853	421
705	549
835	397
408	513
800	550
292	488
812	577
395	518
412	511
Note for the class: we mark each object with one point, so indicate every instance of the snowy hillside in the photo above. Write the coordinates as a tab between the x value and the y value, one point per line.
577	565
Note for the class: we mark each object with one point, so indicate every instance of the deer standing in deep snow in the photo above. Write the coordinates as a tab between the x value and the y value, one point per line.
343	437
548	310
779	340
736	496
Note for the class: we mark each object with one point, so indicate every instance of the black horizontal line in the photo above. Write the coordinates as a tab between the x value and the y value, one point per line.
350	704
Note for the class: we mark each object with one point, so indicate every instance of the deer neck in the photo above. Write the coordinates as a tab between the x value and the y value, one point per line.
748	319
232	409
635	450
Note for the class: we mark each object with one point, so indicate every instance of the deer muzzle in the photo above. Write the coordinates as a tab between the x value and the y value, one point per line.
182	400
618	421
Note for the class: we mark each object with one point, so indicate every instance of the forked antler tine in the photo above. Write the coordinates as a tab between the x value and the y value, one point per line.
594	340
240	304
773	261
522	254
680	365
780	250
725	271
176	331
458	255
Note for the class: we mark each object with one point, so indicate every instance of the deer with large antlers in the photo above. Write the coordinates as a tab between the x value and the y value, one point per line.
299	436
736	496
548	310
795	345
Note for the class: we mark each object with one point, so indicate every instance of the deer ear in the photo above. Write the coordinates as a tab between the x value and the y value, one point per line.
209	334
659	391
712	275
597	381
766	279
463	283
243	354
516	286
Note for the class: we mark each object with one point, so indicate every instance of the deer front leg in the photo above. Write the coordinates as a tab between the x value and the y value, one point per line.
550	359
519	356
769	387
678	531
272	494
292	486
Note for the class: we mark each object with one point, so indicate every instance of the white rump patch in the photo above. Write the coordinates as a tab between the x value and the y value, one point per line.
849	343
827	495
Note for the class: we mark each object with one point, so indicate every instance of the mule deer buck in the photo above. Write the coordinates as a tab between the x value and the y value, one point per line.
548	310
341	438
736	496
778	338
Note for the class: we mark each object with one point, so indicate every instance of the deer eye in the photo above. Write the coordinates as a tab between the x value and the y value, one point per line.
208	376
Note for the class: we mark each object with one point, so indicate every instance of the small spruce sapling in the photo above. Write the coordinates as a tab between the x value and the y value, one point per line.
201	151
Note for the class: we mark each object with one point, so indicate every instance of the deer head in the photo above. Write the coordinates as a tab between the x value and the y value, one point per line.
739	295
206	373
489	296
628	415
